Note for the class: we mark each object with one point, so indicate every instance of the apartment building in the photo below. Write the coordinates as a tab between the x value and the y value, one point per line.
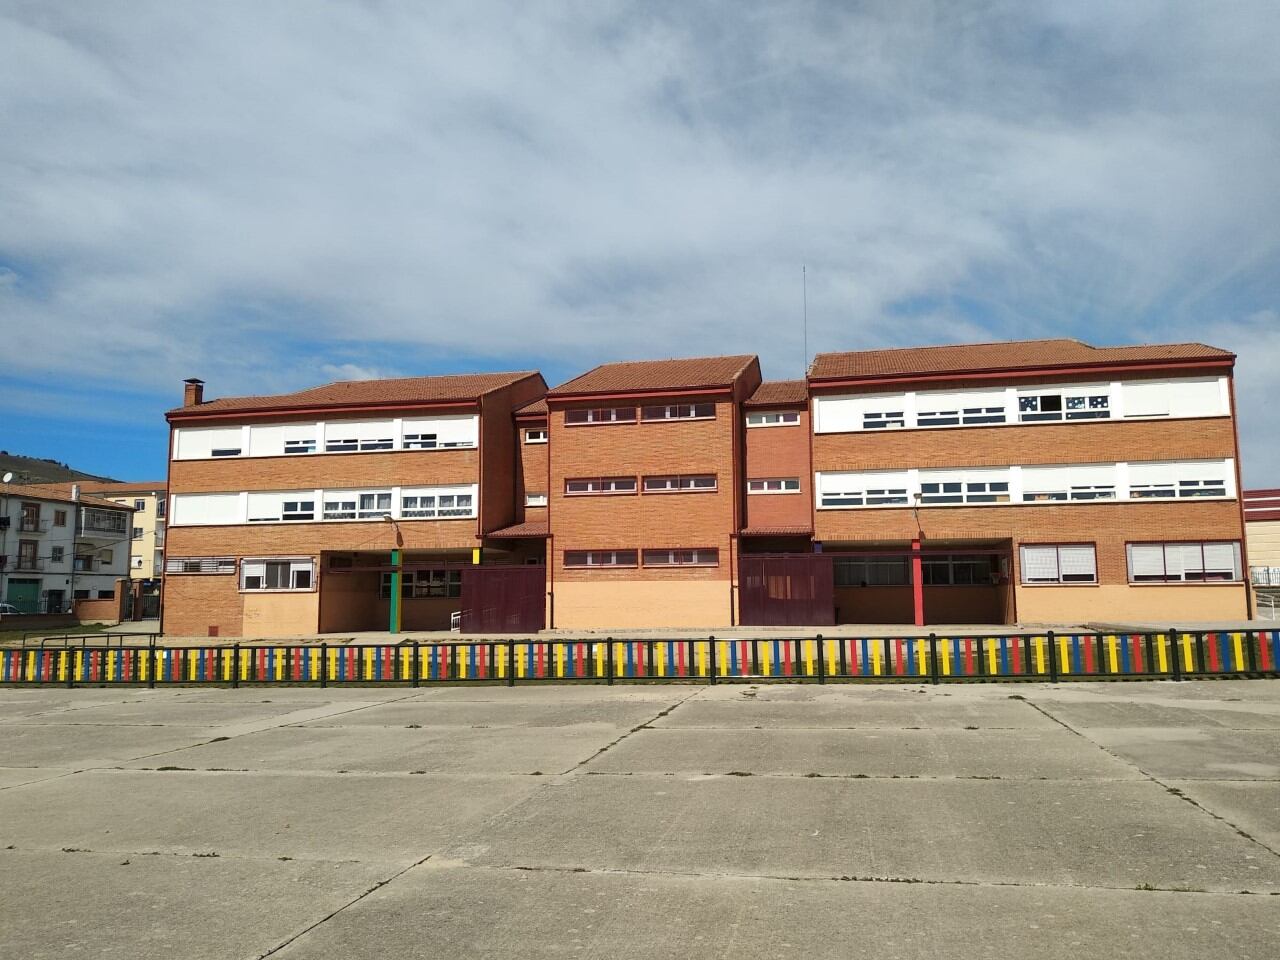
351	506
58	545
646	492
1036	482
146	539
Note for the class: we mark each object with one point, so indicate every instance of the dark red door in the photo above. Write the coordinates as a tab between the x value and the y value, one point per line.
786	591
504	599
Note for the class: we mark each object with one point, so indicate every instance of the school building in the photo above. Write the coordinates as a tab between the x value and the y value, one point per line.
1023	482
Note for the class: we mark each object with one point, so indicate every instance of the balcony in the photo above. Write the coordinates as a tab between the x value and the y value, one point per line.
33	525
103	525
28	565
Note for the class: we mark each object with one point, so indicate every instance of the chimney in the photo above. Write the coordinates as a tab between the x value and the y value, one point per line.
75	491
193	392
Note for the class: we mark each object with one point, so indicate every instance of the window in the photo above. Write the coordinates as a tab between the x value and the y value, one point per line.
161	506
600	415
1202	488
82	563
421	584
782	418
139	506
420	441
973	416
872	571
81	594
698	557
1184	562
1170	480
225	452
535	499
1077	403
774	485
300	445
1061	483
57	554
59	518
600	558
137	534
29	522
865	495
535	436
938	418
135	563
339	507
599	486
106	594
276	574
200	565
974	489
106	557
424	506
883	420
1059	563
373	505
298	510
959	570
684	483
680	411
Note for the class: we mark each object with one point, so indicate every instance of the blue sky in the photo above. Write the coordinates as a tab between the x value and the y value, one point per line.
270	196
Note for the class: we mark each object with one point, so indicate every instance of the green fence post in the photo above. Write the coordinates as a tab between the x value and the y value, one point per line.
822	661
1053	657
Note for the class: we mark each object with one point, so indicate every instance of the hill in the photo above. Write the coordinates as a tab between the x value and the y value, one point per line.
40	470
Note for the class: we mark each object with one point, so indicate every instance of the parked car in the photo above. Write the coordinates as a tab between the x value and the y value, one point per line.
8	610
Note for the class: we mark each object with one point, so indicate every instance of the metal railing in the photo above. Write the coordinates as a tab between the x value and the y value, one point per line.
1050	657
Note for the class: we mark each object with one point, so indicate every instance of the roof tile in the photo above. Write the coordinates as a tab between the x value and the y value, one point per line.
60	492
530	528
776	393
1007	355
639	376
406	390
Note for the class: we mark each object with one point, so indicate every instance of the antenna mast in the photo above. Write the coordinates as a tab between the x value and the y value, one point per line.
804	287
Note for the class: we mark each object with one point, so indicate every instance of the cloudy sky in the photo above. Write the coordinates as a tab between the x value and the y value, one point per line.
269	195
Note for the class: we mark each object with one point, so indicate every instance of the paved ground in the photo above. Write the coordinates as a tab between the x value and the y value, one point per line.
1000	821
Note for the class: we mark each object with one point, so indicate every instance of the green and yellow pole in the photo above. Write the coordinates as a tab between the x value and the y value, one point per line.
394	627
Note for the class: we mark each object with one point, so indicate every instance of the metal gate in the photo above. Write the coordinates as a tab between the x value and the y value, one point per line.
786	591
502	599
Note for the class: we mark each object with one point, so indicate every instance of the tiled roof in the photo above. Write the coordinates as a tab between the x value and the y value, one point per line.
1008	355
60	492
406	390
1261	505
533	408
777	531
639	376
530	528
120	489
777	393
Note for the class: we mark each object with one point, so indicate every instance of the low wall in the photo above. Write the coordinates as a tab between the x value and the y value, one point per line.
98	611
39	621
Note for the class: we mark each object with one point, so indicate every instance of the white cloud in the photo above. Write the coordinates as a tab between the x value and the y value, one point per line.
250	191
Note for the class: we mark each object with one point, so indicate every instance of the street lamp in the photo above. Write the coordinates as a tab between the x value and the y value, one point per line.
4	531
393	625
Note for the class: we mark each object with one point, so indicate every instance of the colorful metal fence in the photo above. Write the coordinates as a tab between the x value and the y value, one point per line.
1049	656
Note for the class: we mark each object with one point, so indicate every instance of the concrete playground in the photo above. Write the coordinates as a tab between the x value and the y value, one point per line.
972	821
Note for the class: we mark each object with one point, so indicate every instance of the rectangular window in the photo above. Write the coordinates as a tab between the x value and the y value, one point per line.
1078	403
538	435
200	565
135	562
105	557
680	411
59	518
872	571
600	558
1059	563
1189	562
684	483
1185	479
697	557
420	441
535	499
774	485
938	418
964	491
599	486
56	554
339	506
423	584
959	570
161	506
600	415
781	418
276	574
883	420
137	534
372	506
868	497
225	452
974	416
300	445
1042	484
298	510
106	594
139	506
422	506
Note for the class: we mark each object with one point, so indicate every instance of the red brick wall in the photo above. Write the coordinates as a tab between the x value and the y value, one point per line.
780	452
532	464
195	602
644	520
498	451
328	470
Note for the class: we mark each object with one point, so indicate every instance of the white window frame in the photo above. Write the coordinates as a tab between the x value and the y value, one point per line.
600	486
535	499
296	567
765	486
624	558
1175	555
535	435
599	416
1067	564
774	418
680	557
680	483
658	413
200	565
